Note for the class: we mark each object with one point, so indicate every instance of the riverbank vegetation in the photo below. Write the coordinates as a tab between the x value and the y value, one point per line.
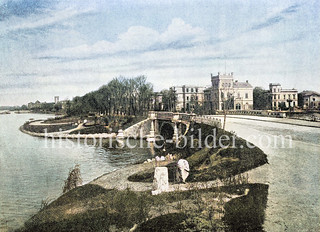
38	128
93	208
91	124
121	96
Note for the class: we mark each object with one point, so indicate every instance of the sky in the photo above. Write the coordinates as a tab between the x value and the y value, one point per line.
67	48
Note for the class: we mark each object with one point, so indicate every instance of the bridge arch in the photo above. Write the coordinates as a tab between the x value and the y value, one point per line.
166	129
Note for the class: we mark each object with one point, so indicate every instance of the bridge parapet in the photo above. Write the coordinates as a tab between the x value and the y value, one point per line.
207	119
184	117
161	115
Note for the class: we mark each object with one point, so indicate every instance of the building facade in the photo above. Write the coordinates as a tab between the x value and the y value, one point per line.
309	100
282	98
188	97
227	93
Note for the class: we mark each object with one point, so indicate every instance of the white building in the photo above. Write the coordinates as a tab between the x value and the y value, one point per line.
282	98
187	96
228	93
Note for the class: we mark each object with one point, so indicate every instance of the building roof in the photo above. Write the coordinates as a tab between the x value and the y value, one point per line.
289	90
238	84
309	93
188	86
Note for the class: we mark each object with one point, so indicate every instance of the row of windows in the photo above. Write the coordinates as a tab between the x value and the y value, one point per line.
284	96
246	95
279	104
196	98
313	99
191	89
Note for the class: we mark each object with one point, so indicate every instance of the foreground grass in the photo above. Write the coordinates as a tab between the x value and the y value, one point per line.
93	208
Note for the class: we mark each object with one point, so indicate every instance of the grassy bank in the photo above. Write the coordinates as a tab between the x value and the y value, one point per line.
49	128
93	208
209	163
93	125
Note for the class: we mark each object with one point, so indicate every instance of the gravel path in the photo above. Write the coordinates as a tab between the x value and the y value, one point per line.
119	180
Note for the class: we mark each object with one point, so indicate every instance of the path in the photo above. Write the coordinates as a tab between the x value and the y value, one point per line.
119	180
295	122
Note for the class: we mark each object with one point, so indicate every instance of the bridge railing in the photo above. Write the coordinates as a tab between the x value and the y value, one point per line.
207	119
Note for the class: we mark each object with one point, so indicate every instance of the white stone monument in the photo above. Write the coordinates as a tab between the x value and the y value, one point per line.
161	180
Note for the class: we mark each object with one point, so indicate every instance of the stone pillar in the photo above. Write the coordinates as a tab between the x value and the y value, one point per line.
152	132
176	133
161	180
151	136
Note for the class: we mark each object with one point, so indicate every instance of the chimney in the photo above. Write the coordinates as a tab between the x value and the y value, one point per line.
236	81
211	75
218	73
231	73
247	81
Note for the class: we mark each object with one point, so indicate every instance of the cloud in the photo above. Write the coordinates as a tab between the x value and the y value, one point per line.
51	18
178	35
20	8
277	18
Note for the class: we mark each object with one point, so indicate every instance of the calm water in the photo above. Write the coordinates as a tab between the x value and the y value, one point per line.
292	175
32	170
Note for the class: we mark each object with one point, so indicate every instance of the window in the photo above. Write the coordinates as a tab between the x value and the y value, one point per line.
196	98
284	96
238	95
275	104
187	90
274	90
238	106
289	96
191	90
247	96
279	96
196	90
294	96
274	96
313	99
222	95
187	98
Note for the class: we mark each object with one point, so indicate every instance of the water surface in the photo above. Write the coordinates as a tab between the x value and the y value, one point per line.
33	169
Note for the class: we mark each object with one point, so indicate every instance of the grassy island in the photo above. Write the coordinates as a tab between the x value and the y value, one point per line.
236	205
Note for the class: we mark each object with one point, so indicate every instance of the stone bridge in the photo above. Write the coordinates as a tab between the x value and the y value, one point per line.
169	125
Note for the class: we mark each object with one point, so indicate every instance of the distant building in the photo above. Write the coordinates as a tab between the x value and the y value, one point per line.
309	100
188	96
157	102
35	105
282	98
228	93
